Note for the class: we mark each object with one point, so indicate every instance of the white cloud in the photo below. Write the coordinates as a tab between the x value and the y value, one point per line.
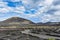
3	4
47	2
15	0
20	9
45	17
40	14
57	7
57	13
55	18
3	7
4	10
40	10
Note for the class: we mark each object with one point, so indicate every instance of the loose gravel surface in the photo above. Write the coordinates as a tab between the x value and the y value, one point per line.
15	35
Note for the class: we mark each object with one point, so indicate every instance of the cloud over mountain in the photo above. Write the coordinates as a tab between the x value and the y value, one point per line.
42	11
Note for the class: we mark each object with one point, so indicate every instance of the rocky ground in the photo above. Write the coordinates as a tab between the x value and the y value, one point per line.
18	35
15	35
53	32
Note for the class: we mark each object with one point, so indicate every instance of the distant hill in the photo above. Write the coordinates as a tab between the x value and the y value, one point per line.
50	24
18	19
15	21
21	21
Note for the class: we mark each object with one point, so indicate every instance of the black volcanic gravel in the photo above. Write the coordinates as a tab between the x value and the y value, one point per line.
16	35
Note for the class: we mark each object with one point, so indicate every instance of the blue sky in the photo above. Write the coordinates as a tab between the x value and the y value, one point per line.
34	10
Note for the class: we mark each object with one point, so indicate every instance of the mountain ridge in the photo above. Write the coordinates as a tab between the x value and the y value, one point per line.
16	19
25	21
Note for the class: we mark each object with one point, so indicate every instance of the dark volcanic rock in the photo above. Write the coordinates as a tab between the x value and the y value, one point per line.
22	21
49	24
14	21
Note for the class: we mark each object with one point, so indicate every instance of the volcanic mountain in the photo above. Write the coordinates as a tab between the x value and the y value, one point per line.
22	21
15	21
49	24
